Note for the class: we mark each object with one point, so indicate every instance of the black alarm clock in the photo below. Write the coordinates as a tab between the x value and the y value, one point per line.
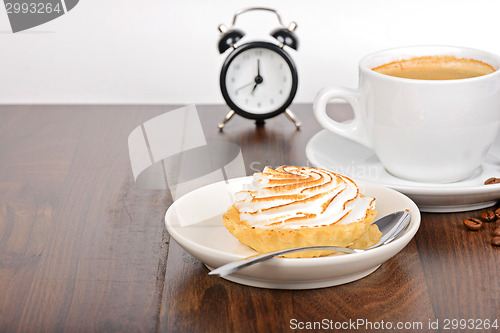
258	80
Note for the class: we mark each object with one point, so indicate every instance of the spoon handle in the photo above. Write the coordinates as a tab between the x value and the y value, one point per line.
237	265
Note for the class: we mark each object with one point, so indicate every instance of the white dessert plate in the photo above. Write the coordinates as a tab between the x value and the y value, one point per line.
195	222
332	152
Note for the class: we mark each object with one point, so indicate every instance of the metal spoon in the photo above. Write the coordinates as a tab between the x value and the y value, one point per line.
390	226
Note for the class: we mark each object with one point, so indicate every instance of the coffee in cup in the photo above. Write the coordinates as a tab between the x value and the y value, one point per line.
435	68
430	113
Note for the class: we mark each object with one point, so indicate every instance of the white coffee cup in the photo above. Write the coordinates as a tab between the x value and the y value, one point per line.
436	131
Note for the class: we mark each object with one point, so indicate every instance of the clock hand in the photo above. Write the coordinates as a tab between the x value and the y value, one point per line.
255	86
258	80
246	85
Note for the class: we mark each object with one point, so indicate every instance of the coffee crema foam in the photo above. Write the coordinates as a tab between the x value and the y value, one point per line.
295	197
435	68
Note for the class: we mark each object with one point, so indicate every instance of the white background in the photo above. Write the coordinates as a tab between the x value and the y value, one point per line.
164	51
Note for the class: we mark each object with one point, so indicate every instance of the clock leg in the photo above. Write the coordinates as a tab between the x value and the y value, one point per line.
292	117
228	116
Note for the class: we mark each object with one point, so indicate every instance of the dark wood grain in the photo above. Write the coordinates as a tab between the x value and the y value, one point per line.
84	249
81	247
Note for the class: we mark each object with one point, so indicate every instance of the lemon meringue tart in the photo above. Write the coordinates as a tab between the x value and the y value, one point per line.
301	206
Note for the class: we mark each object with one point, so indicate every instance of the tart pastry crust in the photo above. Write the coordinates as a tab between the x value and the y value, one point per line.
356	235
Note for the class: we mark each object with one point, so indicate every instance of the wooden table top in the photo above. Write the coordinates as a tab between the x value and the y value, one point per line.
83	248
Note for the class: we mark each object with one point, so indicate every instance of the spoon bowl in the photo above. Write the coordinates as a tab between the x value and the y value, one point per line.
390	225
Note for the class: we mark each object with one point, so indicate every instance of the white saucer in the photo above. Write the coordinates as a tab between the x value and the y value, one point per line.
330	151
195	222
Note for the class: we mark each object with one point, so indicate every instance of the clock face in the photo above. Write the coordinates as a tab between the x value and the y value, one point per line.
259	80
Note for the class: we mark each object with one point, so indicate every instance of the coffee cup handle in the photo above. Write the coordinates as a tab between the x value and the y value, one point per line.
353	130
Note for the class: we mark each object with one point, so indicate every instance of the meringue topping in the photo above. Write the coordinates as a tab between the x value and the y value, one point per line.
293	197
